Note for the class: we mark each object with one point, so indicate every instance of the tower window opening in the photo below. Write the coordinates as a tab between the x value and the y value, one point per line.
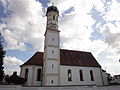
52	51
69	75
52	39
57	18
53	17
52	66
91	75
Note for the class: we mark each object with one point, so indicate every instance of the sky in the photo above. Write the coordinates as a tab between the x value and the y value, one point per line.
85	25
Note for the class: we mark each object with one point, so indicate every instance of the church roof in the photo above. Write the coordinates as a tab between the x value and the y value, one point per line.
52	8
67	57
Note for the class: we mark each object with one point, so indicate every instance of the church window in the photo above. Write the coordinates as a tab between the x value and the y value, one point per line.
81	75
26	74
52	81
91	75
53	17
38	74
69	75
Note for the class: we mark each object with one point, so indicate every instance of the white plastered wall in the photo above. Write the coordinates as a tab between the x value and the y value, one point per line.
76	76
32	75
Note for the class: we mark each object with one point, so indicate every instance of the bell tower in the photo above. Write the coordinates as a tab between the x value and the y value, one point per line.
51	63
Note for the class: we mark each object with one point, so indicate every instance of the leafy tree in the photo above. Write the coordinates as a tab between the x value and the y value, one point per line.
2	55
15	79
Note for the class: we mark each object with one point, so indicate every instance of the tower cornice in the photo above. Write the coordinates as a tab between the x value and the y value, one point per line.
51	30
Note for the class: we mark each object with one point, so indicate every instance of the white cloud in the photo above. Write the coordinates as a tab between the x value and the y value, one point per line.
12	64
76	28
112	38
113	12
25	24
112	64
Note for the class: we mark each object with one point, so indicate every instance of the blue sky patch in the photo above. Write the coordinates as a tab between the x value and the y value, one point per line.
69	10
96	15
96	35
118	1
2	13
22	55
44	2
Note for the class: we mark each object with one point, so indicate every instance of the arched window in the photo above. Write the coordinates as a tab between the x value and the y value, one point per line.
38	74
91	75
81	75
56	18
52	81
26	74
69	75
53	17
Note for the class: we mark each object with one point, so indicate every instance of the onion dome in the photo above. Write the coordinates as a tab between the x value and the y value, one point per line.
52	8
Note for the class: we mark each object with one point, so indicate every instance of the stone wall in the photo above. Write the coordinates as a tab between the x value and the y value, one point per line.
17	87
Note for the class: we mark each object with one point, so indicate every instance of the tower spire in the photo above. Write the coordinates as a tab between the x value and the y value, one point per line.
52	17
51	66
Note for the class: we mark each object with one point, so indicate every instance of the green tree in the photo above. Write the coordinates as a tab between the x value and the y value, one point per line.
2	55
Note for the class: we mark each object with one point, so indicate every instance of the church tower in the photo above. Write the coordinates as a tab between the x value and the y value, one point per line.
51	59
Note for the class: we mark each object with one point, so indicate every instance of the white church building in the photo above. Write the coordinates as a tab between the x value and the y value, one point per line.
58	67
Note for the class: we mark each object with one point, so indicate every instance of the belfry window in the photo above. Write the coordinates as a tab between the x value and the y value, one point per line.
91	75
69	75
38	74
52	39
81	75
26	74
53	17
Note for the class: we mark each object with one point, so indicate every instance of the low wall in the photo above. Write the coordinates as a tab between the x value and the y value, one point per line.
17	87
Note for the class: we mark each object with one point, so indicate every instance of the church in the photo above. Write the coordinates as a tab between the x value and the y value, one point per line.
60	67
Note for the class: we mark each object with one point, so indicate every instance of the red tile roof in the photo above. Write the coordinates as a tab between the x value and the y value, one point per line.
36	59
67	57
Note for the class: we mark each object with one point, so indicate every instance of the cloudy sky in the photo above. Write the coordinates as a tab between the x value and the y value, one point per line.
85	25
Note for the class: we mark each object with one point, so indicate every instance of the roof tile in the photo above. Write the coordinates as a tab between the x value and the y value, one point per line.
67	57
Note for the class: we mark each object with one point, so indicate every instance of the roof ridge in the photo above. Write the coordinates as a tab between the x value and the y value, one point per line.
67	50
75	50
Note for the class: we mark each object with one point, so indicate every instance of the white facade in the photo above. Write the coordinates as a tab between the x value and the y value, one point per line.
99	78
104	76
76	75
32	75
